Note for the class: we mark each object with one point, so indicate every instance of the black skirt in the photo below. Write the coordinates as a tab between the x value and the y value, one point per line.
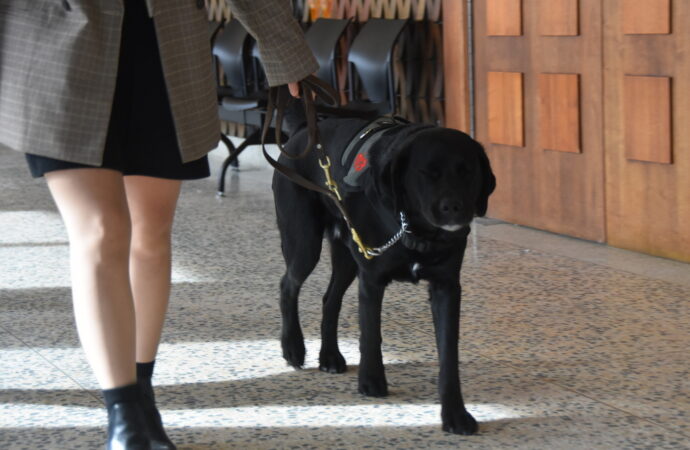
141	137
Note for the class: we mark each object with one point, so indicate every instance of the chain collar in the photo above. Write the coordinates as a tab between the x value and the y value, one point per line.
377	251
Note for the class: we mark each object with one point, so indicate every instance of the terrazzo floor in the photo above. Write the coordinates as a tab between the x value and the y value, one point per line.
565	344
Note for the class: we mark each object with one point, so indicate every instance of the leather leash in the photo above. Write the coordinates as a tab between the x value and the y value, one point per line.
278	98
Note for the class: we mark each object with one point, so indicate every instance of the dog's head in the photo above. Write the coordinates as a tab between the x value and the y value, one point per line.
439	175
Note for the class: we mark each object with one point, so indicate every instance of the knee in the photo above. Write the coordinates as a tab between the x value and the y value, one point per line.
151	240
103	238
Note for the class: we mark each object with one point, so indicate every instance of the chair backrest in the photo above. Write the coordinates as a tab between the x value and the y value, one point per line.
213	29
323	36
371	55
231	47
259	80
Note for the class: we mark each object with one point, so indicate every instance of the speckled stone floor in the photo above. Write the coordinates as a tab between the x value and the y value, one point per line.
565	344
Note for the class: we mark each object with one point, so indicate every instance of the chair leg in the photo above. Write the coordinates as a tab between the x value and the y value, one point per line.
252	139
232	150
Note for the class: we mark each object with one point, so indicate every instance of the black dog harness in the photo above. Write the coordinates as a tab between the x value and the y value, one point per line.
355	158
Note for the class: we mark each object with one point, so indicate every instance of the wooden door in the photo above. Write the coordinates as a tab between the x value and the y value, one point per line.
538	85
647	110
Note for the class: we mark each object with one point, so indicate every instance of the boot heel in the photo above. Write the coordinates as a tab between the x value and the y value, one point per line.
154	423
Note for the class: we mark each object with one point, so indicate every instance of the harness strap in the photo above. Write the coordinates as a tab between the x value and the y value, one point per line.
365	134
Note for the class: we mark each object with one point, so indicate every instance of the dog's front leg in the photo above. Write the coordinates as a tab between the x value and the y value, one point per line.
445	306
372	377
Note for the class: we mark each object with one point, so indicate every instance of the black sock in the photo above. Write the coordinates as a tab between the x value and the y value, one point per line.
145	370
144	375
129	393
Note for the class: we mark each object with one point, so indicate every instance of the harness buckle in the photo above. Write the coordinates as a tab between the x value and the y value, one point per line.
363	249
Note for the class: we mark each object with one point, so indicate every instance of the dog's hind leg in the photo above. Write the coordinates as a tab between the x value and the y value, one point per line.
344	271
301	245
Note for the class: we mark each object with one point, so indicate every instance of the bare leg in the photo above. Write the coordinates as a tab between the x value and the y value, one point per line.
152	203
94	209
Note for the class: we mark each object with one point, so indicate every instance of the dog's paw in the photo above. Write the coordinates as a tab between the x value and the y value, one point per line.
459	421
373	386
332	362
294	352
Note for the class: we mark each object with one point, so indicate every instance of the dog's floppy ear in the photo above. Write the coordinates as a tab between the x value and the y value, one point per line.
386	181
390	162
488	181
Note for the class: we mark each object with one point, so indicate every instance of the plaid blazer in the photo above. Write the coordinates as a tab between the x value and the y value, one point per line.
58	66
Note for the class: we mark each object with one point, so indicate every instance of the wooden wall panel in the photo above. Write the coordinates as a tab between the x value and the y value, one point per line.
646	16
455	65
503	17
505	113
647	204
605	192
559	112
559	17
647	118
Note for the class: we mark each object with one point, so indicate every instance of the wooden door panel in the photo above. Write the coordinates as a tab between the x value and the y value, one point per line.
645	16
505	110
562	190
504	17
559	112
647	118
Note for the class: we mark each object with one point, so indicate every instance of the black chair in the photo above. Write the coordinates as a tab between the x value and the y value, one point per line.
238	100
213	29
323	37
370	66
259	80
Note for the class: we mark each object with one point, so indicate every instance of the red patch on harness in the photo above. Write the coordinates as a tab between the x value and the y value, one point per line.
360	162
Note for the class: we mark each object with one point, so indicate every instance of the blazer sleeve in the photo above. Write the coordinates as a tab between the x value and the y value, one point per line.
285	55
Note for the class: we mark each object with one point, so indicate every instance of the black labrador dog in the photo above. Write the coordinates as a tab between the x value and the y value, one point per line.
440	179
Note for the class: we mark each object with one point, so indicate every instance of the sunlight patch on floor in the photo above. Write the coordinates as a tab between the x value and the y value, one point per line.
378	415
31	227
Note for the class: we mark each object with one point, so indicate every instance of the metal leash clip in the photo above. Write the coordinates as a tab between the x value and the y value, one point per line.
330	182
363	249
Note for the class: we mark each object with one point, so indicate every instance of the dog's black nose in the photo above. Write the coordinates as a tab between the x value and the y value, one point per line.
450	207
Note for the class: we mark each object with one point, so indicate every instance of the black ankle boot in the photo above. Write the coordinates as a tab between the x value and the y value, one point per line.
126	427
154	424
